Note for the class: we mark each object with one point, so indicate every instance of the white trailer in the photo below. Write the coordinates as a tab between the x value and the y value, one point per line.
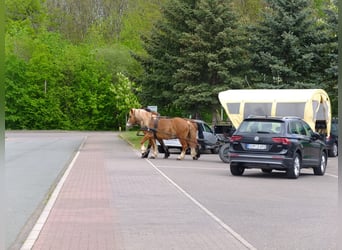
312	105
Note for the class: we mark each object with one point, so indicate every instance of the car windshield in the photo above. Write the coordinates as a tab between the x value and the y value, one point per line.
256	126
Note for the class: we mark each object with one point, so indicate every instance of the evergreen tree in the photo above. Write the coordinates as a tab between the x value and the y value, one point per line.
159	63
212	58
330	66
286	46
194	52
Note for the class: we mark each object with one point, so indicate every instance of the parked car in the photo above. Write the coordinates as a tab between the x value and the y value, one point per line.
207	140
224	132
332	140
277	143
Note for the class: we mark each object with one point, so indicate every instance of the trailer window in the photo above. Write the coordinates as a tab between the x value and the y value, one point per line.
263	109
290	109
233	108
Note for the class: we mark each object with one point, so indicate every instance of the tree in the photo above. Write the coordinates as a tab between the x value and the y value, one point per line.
249	10
57	85
286	46
26	12
330	22
159	62
194	52
212	58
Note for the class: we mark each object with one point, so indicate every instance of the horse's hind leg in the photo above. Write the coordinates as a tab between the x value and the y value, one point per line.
198	151
184	148
182	155
154	148
195	153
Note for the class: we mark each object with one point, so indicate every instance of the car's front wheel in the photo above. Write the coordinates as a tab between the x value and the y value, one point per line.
320	169
294	170
236	169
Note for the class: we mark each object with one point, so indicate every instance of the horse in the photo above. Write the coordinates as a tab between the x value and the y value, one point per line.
170	128
142	117
167	128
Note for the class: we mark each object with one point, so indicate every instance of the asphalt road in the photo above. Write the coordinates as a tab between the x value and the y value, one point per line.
268	210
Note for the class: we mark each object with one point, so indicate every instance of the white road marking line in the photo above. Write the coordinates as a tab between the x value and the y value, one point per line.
197	168
331	175
207	211
34	234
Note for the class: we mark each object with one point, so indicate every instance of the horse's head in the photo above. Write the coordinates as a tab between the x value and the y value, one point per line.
132	120
139	117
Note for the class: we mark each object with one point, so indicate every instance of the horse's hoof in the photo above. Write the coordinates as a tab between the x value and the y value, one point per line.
195	158
152	157
144	155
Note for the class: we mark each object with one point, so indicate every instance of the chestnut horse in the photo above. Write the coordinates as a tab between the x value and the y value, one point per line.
142	117
166	128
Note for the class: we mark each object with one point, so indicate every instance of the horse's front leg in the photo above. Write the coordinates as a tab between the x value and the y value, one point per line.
144	151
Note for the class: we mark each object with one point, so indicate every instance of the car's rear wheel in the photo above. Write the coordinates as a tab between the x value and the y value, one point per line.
334	150
320	169
224	153
236	169
294	171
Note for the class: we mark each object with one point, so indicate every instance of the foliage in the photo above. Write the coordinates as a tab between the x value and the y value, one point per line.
62	86
69	63
249	10
124	98
105	21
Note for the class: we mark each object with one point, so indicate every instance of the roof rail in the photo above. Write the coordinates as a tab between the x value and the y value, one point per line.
276	117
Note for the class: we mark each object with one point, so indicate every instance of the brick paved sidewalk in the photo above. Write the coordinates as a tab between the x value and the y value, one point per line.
112	199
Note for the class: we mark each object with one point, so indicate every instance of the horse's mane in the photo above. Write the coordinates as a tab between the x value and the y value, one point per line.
151	111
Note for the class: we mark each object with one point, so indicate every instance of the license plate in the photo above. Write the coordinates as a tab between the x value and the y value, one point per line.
256	146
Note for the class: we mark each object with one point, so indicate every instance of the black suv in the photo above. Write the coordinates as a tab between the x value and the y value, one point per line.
280	143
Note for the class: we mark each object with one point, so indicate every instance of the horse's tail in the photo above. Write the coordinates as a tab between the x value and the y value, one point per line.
193	128
192	139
